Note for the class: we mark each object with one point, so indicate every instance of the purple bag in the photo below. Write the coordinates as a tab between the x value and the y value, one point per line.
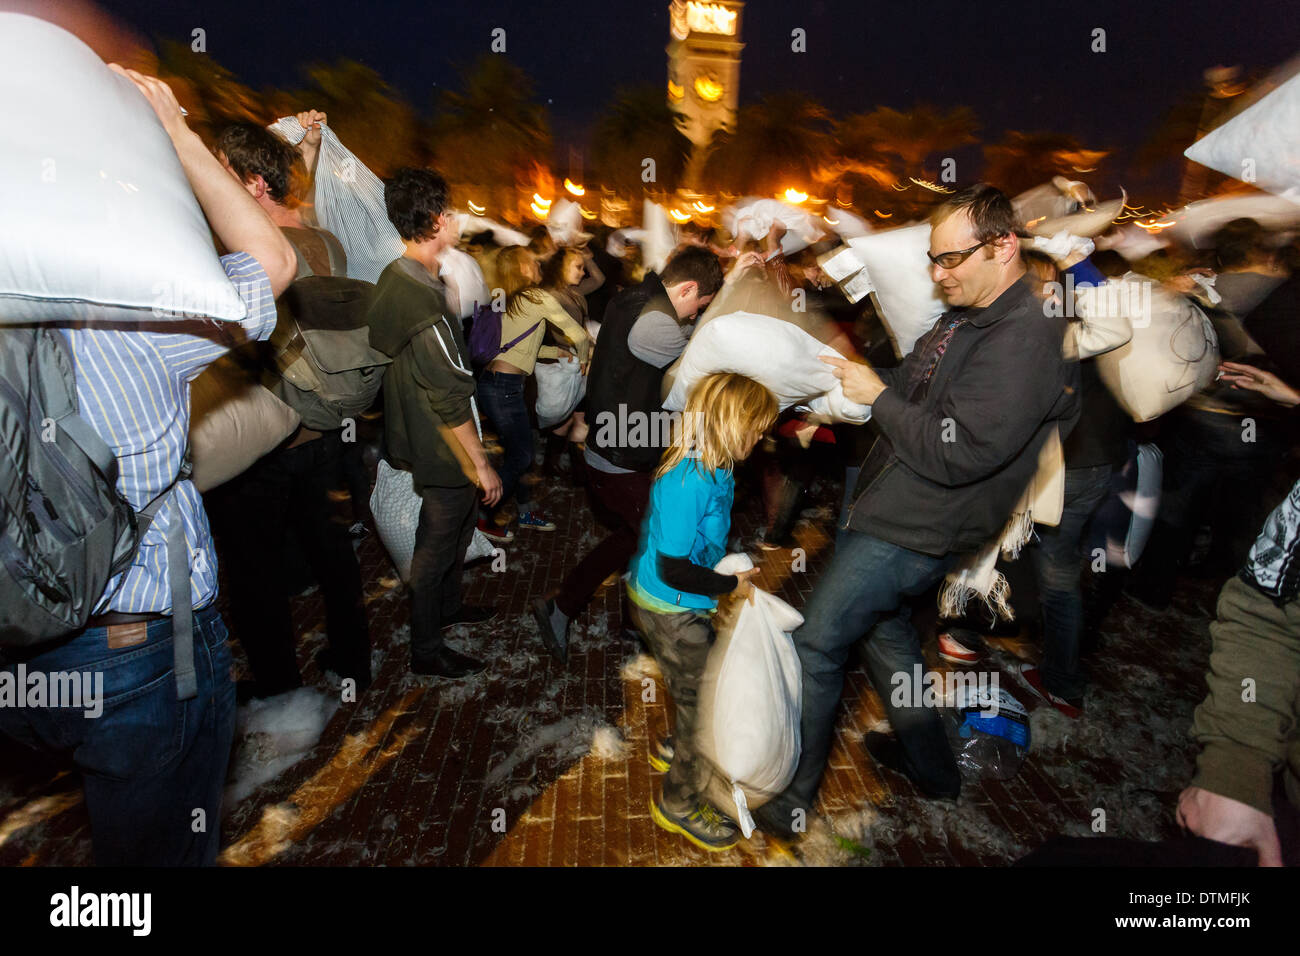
485	335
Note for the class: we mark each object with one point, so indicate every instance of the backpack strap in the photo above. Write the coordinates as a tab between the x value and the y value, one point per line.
178	580
511	344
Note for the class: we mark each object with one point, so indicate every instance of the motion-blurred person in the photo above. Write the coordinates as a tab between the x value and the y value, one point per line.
150	760
430	424
990	375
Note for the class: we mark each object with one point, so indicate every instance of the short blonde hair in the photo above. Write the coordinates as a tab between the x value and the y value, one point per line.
722	411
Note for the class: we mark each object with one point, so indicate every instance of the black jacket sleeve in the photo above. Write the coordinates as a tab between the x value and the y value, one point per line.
682	574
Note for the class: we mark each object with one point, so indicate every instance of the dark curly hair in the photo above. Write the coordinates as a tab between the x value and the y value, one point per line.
252	151
415	198
989	209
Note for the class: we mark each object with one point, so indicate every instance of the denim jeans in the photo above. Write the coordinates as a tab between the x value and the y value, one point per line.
1057	558
863	590
438	563
149	761
501	397
625	498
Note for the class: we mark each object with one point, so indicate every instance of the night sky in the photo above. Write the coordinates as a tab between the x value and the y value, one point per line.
1019	65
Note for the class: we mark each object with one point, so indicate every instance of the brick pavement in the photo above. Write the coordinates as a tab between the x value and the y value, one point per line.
496	770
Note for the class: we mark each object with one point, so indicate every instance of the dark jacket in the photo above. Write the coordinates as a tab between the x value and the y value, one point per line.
954	457
426	394
621	385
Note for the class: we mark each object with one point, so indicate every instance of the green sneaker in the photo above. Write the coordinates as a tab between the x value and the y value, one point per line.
704	826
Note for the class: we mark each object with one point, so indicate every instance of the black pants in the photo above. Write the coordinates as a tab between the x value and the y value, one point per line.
289	489
625	499
446	526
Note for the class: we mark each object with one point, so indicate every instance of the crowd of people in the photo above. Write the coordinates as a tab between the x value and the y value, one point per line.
955	436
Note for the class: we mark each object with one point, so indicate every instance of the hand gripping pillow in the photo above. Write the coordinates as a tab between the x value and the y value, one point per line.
751	699
97	219
905	296
777	354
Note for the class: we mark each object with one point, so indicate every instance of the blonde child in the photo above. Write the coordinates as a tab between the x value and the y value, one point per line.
674	589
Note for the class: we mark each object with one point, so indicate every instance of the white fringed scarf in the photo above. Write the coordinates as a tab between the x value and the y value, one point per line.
978	576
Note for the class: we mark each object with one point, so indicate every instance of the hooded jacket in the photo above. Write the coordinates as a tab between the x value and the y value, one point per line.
427	389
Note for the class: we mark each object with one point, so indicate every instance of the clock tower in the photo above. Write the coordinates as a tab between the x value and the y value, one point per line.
704	67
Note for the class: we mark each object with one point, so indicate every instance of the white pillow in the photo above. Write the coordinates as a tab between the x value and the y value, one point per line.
779	355
1260	145
97	219
899	269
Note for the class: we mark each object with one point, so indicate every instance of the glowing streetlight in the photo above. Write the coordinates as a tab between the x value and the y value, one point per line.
475	208
795	196
573	188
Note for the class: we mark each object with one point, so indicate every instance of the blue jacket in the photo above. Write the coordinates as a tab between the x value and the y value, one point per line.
689	516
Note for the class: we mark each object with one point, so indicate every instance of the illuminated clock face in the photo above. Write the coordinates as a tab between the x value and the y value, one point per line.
708	89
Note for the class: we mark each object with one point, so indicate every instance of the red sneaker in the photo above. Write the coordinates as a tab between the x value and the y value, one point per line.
1034	678
495	532
955	652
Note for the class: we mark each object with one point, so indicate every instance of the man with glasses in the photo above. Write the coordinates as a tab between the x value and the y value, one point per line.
960	423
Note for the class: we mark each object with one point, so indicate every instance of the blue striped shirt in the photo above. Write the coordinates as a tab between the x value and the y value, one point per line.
133	389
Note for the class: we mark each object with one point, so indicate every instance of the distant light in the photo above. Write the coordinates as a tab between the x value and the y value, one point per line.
538	211
585	213
574	188
675	92
883	215
475	208
679	216
933	187
831	222
544	203
708	89
701	207
795	196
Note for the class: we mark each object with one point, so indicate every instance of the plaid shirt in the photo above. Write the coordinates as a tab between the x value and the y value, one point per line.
133	389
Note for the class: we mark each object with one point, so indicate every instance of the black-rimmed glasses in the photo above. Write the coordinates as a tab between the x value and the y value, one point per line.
951	260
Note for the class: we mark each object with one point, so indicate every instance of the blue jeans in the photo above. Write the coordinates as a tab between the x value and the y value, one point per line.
149	761
863	590
1057	563
501	397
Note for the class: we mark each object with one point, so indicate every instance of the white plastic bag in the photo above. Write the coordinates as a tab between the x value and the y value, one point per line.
751	698
899	271
777	354
97	218
349	202
560	386
396	508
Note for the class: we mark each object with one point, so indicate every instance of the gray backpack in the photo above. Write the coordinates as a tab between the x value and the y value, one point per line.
328	373
65	529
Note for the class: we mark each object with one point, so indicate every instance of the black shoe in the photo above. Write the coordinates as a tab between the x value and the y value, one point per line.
774	820
888	752
447	663
469	614
557	644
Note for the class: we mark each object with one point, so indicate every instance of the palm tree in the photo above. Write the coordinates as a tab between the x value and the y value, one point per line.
491	136
638	124
780	142
1024	160
211	93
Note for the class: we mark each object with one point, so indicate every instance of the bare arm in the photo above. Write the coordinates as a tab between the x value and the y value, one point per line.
233	214
488	480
